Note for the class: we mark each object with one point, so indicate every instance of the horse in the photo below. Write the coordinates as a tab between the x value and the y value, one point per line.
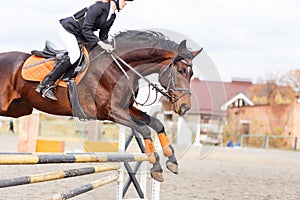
110	86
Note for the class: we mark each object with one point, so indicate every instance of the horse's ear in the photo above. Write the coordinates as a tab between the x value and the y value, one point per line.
195	53
182	47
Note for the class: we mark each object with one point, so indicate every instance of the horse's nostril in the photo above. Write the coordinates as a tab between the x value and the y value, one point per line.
184	108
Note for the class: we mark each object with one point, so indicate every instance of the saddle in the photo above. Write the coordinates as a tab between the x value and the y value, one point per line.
41	63
50	50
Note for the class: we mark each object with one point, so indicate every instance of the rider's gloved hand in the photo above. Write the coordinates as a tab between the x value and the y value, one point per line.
105	46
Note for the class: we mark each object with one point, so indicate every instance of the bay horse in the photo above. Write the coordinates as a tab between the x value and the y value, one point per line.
108	93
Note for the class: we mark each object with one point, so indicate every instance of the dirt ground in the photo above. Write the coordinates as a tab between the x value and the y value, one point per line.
213	173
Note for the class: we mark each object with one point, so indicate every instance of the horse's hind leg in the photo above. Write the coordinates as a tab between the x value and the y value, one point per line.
154	123
132	122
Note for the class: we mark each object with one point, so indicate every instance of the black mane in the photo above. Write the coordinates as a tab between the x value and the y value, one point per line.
147	39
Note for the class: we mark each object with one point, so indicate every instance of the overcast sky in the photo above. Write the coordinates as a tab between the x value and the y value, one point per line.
243	38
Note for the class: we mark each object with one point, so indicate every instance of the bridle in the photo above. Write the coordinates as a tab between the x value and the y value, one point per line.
171	87
172	80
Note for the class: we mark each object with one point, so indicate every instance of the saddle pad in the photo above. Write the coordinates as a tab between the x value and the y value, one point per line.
34	69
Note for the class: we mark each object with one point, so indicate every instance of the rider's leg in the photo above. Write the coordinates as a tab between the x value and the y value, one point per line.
70	44
45	87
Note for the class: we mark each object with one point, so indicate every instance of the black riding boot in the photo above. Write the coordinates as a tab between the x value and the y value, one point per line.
47	85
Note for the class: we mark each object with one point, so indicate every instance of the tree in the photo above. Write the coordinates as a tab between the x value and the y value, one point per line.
275	89
260	93
292	79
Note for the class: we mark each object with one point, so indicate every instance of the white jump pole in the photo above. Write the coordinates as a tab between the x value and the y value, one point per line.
122	140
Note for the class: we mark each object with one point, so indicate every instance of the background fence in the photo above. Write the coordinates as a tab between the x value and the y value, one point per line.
269	141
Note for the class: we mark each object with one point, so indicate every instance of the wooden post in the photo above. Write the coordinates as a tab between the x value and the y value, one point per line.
296	143
28	132
266	142
198	132
241	139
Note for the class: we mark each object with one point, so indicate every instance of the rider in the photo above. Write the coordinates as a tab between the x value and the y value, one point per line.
80	27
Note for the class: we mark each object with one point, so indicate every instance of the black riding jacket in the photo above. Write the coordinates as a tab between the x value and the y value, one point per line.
95	19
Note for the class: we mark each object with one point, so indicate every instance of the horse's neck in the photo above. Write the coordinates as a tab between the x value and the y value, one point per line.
145	61
150	62
148	68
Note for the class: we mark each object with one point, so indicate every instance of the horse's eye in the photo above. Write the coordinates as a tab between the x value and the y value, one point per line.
180	71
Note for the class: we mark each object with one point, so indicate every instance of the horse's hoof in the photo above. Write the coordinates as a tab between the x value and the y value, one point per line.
158	176
173	167
156	172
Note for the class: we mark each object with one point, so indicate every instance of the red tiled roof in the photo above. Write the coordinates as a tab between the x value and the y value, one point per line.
209	96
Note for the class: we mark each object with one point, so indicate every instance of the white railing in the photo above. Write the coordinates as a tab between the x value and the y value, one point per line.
265	140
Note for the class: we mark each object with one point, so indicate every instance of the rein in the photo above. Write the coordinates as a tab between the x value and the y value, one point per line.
171	85
116	59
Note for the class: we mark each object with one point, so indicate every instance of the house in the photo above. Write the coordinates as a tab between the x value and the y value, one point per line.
230	109
209	96
275	112
210	100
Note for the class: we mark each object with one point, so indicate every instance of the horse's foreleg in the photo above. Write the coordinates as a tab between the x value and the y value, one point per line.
154	123
129	121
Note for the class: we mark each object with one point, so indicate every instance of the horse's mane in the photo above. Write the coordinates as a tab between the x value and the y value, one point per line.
147	39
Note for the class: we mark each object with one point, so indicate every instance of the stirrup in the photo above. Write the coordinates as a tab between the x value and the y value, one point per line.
48	93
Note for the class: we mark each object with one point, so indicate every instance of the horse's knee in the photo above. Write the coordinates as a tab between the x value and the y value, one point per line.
157	125
145	132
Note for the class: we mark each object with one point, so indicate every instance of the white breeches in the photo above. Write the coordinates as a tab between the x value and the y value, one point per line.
69	42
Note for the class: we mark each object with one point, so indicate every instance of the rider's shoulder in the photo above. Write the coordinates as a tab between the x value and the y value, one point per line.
100	5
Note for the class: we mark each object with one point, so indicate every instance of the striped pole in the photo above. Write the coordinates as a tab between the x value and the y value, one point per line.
85	188
57	175
15	159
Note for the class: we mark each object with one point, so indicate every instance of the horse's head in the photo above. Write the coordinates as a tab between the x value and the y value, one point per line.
175	78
